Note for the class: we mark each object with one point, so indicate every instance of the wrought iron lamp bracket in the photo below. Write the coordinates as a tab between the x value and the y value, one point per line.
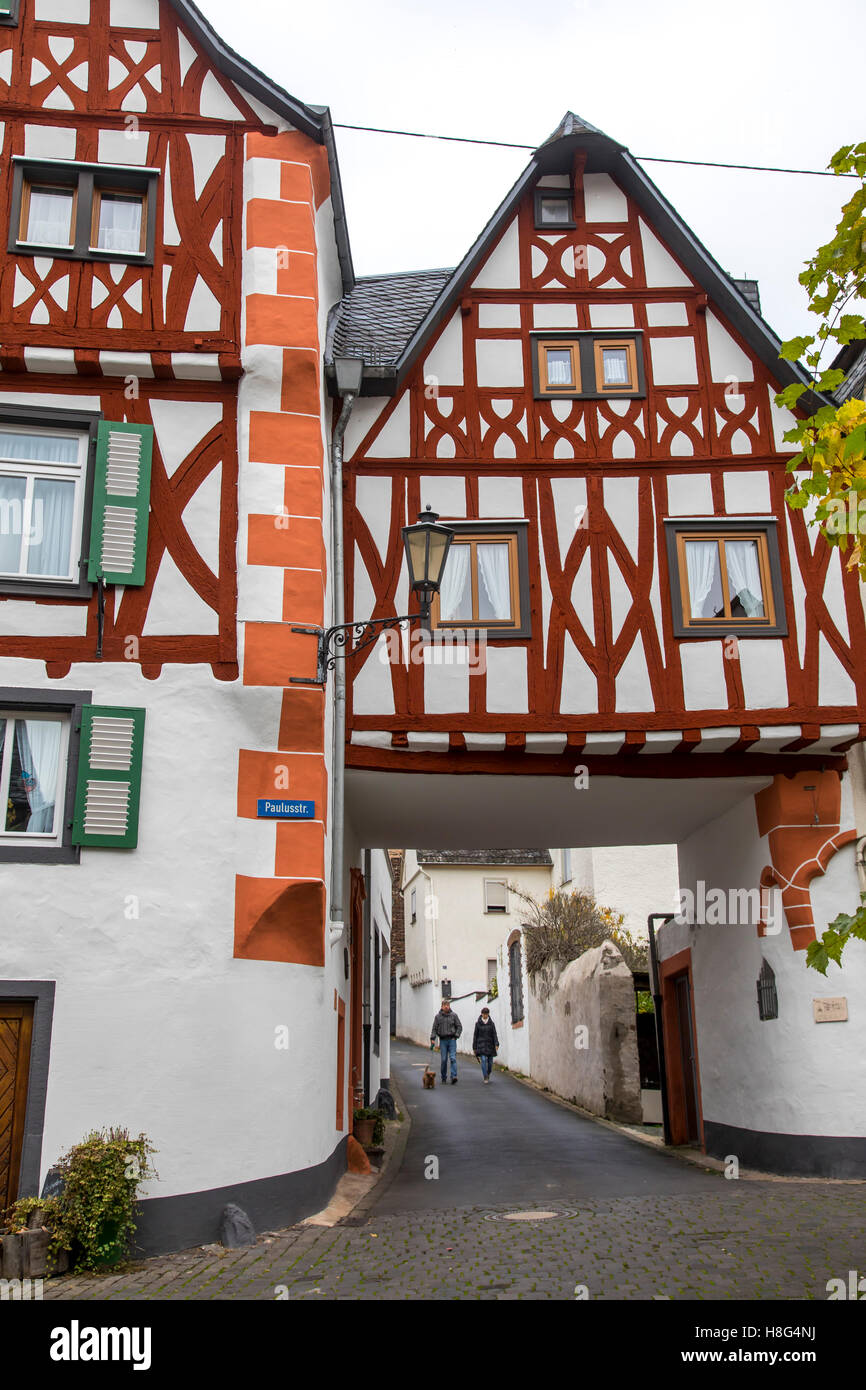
345	640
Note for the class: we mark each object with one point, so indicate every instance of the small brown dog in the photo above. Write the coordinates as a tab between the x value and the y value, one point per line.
428	1080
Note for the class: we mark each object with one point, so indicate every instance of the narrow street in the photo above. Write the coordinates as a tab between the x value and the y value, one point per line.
621	1221
508	1144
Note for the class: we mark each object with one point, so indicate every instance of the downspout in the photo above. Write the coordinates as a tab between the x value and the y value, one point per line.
655	983
367	954
337	914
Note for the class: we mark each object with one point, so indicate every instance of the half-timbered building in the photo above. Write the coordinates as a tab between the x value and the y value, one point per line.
636	640
173	239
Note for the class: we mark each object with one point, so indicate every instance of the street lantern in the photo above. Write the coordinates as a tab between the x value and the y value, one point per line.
427	545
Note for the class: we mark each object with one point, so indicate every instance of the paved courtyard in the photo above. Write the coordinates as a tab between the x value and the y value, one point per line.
625	1221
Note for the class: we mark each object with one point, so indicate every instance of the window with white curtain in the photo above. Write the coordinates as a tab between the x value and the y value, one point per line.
588	364
726	576
119	222
42	477
83	211
480	583
33	763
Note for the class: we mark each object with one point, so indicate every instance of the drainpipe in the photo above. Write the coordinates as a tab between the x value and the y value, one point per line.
365	989
655	983
348	390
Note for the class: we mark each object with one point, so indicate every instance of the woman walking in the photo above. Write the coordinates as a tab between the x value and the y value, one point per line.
485	1043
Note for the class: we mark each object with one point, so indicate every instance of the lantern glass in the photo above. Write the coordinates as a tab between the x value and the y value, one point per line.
427	547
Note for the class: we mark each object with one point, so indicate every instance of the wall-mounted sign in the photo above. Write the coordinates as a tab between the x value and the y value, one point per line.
287	810
830	1010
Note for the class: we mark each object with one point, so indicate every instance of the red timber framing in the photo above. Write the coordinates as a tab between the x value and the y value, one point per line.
605	592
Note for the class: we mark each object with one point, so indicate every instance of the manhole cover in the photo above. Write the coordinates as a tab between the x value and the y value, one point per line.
529	1215
544	1214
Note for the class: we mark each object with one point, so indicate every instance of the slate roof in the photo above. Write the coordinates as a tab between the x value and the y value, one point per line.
851	359
510	857
749	290
377	319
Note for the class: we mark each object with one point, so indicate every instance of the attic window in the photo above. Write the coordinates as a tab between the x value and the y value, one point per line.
9	12
588	364
554	209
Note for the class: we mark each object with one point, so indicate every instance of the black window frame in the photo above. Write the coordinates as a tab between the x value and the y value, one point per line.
84	178
79	421
562	195
719	628
10	19
586	339
71	702
519	529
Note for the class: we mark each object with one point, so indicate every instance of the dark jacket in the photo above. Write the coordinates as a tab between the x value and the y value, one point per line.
484	1040
446	1025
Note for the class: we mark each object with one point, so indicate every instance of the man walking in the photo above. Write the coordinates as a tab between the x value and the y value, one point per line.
447	1028
485	1043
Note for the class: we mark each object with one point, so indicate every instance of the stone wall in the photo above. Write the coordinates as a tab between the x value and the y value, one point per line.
583	1037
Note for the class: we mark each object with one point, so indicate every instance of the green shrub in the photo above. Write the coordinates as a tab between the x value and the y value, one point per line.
94	1217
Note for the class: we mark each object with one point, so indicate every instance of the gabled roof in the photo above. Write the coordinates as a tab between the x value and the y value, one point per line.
737	301
314	121
377	319
852	360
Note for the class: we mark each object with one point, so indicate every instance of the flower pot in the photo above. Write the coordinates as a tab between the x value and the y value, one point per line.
363	1131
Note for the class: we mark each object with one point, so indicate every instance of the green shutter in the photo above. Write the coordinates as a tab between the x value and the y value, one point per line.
121	502
109	777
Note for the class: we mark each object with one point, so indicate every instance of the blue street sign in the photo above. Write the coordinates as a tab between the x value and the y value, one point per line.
287	810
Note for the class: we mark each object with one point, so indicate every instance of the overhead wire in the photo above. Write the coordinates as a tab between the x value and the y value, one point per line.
644	158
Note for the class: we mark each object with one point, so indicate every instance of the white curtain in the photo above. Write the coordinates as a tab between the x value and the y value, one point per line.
455	594
744	574
615	366
38	448
49	220
119	224
51	526
558	367
38	742
12	492
494	587
702	563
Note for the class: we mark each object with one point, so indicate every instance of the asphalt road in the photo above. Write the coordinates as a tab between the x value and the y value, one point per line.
507	1143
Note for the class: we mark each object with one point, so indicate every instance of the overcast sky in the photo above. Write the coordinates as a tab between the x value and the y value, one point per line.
746	83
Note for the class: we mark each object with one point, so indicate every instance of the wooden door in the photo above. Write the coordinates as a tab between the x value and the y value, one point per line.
16	1029
686	1040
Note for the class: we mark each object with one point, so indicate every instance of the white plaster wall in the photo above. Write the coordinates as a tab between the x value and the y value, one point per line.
787	1075
156	1025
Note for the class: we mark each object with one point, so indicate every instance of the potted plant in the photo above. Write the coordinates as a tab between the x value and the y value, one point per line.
95	1213
368	1126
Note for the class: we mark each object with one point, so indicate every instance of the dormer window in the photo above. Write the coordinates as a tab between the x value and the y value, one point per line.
554	209
83	211
588	364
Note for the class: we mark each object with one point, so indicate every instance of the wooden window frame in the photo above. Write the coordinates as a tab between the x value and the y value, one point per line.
75	422
88	182
45	186
129	195
763	529
559	345
561	195
519	627
65	703
599	346
587	346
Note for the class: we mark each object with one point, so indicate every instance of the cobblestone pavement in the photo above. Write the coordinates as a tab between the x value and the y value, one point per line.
627	1222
